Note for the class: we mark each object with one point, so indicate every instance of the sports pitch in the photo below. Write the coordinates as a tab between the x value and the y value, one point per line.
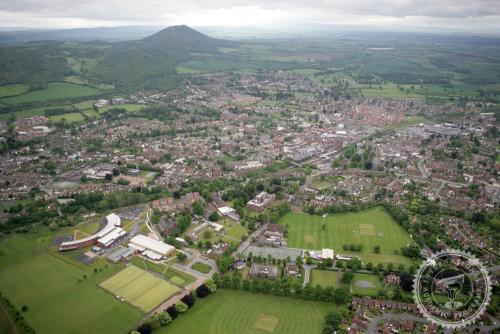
139	287
325	278
59	299
229	311
366	285
369	227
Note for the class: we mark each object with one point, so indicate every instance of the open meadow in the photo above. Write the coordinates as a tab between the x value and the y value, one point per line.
13	90
54	91
229	312
371	227
62	295
139	287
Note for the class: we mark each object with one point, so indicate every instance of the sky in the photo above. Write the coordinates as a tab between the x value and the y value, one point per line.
459	15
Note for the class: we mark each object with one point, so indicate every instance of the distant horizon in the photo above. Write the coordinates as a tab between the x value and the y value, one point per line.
283	28
451	15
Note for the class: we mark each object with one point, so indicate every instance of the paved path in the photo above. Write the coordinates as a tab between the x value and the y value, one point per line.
244	245
307	273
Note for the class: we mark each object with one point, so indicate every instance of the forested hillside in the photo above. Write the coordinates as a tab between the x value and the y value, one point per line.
148	62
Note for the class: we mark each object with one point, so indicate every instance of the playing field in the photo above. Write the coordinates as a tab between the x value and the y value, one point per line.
139	287
369	227
58	297
55	90
325	278
174	276
69	117
366	284
229	312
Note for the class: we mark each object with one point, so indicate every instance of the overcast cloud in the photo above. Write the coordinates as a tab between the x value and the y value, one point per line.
455	14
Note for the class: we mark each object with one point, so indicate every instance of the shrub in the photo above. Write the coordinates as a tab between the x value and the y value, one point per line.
210	284
189	300
181	307
172	312
123	182
202	291
214	216
145	328
164	318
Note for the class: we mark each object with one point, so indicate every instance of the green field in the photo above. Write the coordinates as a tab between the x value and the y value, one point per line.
54	91
390	90
201	267
128	107
59	298
409	121
13	90
325	278
69	117
175	276
366	285
85	106
235	233
7	325
139	287
369	227
229	312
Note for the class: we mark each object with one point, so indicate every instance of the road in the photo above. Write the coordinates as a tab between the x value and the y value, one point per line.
247	242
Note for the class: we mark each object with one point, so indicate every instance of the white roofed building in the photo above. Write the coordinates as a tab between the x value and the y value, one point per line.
113	219
110	238
327	253
229	212
151	248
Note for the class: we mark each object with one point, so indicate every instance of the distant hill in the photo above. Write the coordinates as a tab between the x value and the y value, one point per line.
108	34
151	61
142	63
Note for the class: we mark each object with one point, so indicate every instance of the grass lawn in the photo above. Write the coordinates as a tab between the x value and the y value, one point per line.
229	312
128	107
369	227
325	278
366	284
390	90
139	287
69	117
88	228
7	325
235	233
13	90
201	267
175	276
409	121
84	106
59	299
24	113
55	90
